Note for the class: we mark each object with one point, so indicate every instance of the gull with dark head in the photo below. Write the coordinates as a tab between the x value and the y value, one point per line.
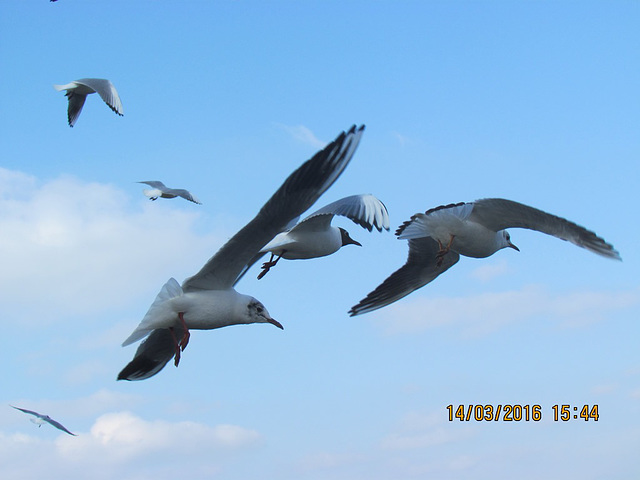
439	236
208	300
315	236
160	190
78	90
40	420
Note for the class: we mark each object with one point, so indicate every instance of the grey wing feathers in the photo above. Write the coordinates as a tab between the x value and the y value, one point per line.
179	192
298	192
58	425
498	214
76	102
31	412
259	255
419	270
107	92
364	210
152	354
155	184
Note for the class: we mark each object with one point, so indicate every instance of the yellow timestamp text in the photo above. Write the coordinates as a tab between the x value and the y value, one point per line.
519	413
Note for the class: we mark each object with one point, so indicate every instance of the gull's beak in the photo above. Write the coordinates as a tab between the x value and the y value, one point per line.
276	323
511	245
353	242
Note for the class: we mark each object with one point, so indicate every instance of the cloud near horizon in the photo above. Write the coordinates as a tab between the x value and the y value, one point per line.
118	445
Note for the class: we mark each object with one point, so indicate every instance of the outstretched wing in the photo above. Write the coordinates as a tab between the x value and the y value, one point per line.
261	254
187	195
155	184
364	210
107	92
420	269
58	425
298	192
498	214
30	412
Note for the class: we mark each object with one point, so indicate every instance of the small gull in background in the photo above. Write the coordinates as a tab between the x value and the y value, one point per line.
208	300
78	90
315	236
160	190
439	236
42	419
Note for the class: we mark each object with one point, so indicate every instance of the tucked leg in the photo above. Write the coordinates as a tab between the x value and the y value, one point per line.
266	266
443	251
185	337
175	341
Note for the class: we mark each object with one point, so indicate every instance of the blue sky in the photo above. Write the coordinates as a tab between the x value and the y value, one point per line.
532	101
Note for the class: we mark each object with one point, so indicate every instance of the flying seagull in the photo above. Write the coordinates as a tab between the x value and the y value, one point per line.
41	419
78	90
160	190
208	300
439	236
316	237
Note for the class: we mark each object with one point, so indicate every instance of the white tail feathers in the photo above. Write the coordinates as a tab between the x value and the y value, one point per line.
66	86
169	290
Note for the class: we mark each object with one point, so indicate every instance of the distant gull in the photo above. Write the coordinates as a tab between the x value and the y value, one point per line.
41	419
160	190
208	300
439	236
316	237
78	90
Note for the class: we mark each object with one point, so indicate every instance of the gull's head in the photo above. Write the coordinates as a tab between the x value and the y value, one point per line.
505	240
346	239
257	313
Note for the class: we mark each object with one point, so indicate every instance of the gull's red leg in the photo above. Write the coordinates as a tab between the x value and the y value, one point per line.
175	341
185	337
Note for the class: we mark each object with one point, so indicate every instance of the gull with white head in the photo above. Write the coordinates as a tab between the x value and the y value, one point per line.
208	300
78	90
315	236
40	419
439	236
160	190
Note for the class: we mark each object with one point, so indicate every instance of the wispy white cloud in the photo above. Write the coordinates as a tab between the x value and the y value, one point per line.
127	436
70	247
491	270
402	139
481	314
303	134
418	431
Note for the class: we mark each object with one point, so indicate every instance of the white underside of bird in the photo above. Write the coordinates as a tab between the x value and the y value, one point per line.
315	236
304	243
200	309
454	229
